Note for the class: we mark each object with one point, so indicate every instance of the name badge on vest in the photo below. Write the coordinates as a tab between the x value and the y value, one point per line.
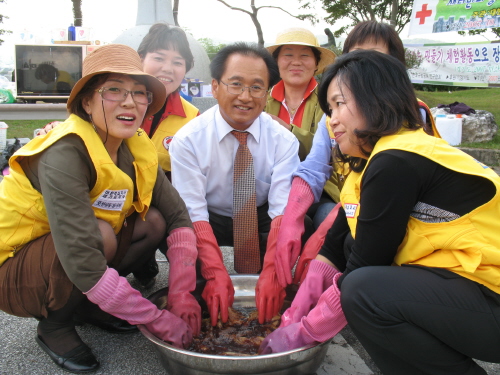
350	210
111	200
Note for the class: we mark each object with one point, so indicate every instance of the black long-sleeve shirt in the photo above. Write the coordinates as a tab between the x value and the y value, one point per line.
396	185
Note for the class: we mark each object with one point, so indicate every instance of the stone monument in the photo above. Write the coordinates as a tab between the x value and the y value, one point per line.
476	127
153	11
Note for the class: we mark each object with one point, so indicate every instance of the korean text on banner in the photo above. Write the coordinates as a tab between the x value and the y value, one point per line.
459	64
438	16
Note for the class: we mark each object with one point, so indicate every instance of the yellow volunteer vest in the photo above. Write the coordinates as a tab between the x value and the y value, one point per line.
166	131
23	217
343	171
468	246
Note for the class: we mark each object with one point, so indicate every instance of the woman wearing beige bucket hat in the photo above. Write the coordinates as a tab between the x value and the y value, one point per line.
86	204
293	102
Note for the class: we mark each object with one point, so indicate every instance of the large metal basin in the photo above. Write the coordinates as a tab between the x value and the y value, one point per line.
302	361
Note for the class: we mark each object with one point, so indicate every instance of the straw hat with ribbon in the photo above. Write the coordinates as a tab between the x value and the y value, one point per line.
119	59
303	37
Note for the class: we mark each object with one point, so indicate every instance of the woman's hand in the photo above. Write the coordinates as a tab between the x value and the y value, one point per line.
281	122
47	128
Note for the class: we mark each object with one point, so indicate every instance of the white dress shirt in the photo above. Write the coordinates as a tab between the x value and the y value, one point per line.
202	153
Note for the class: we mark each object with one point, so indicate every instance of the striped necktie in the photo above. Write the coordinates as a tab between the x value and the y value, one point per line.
245	223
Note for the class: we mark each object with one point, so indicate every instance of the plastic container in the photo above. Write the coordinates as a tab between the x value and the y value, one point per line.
3	135
71	32
6	97
450	128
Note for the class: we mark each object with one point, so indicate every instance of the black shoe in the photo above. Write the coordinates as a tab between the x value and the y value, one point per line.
147	273
111	324
78	360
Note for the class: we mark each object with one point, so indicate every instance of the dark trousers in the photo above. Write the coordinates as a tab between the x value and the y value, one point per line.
414	320
320	210
223	229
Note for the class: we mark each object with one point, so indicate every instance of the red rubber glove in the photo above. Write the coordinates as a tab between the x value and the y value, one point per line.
313	245
113	294
47	128
182	256
321	324
269	294
292	229
318	279
219	291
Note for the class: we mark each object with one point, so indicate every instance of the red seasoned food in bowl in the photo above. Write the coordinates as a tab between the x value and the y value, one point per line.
240	336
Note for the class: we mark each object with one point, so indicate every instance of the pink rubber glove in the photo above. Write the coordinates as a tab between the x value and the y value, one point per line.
113	294
182	255
292	229
321	324
219	290
313	245
269	294
319	278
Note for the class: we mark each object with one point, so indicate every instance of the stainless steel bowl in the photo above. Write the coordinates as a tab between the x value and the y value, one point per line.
176	361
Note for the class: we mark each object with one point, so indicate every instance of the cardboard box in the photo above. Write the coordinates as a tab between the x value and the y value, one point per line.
58	35
27	36
206	91
82	33
194	88
184	87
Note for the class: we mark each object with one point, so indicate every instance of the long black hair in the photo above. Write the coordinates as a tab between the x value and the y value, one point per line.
383	94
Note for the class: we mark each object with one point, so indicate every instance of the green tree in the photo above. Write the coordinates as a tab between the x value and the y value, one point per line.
254	13
210	47
396	12
175	11
413	60
77	12
495	30
2	31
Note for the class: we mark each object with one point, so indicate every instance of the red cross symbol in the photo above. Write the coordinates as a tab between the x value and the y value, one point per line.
422	14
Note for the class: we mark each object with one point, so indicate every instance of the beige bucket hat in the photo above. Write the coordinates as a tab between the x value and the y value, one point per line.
303	37
119	59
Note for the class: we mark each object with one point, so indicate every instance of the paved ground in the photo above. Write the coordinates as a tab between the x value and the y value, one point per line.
134	354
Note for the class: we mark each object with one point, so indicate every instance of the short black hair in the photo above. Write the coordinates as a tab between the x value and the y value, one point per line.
162	36
218	64
376	31
383	93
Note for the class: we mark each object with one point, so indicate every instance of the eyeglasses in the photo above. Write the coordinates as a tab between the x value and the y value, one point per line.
237	88
116	94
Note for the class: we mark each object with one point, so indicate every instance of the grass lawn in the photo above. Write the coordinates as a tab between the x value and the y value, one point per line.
24	128
485	99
